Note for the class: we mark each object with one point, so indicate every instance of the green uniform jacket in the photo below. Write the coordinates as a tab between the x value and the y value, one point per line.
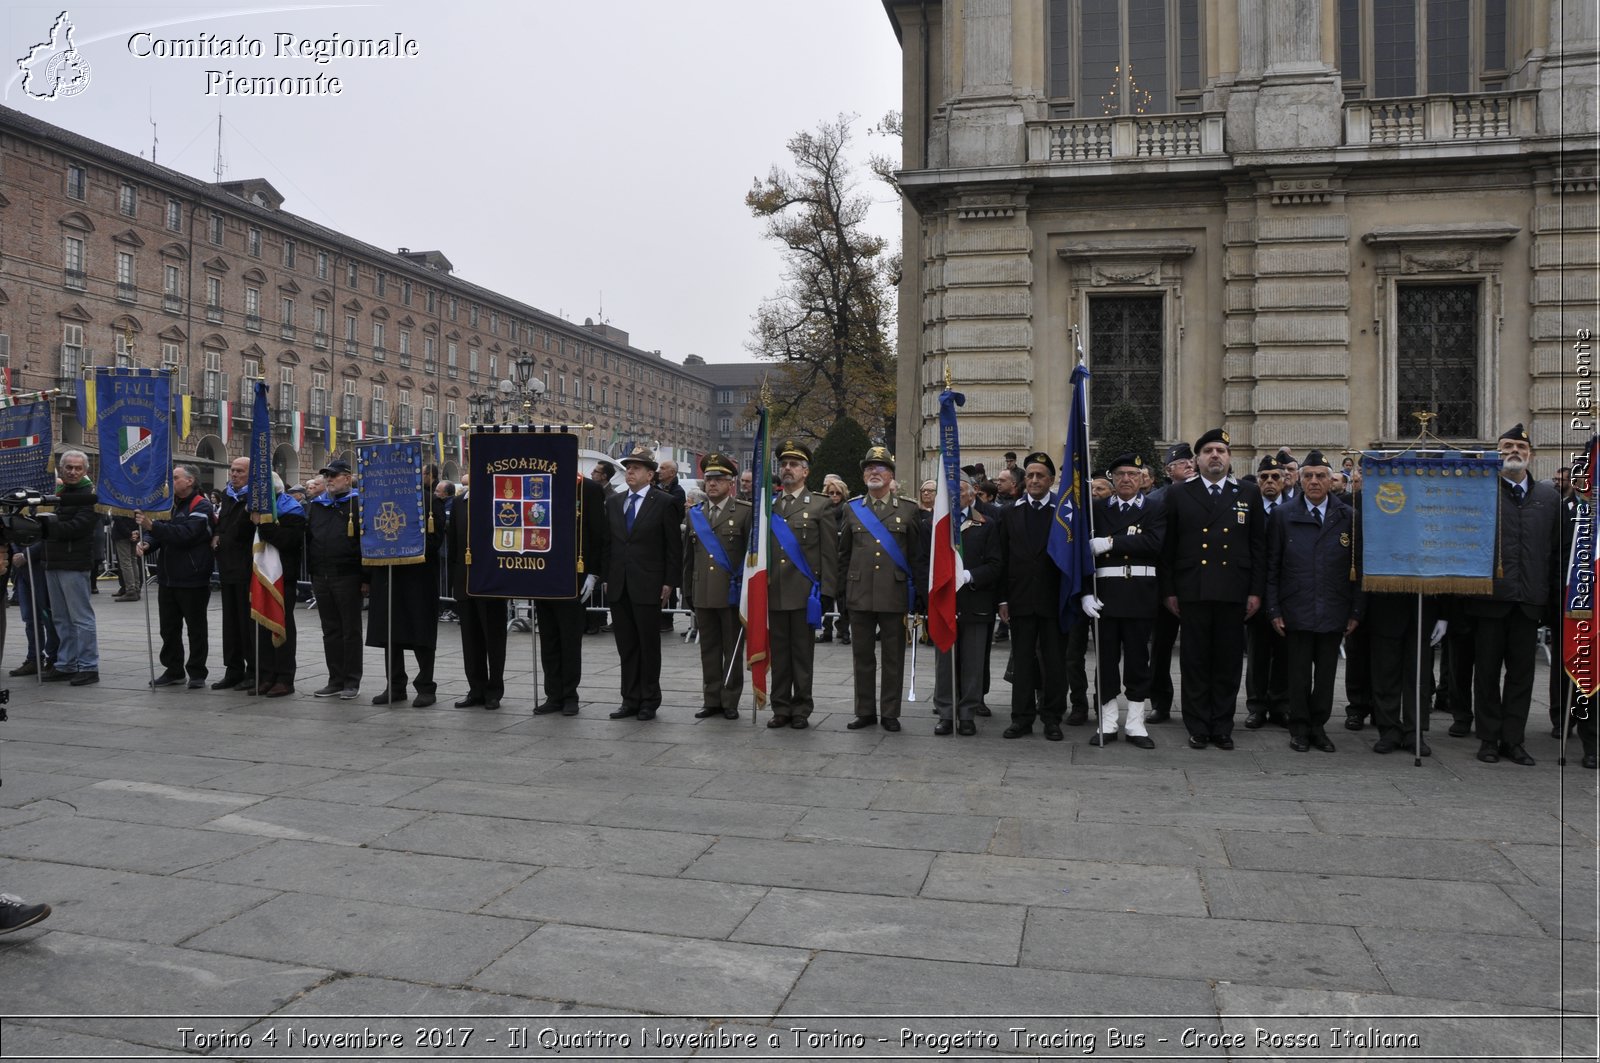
816	528
873	583
705	586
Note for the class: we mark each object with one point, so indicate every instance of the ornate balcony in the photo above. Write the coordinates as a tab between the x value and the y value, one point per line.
1418	119
1126	138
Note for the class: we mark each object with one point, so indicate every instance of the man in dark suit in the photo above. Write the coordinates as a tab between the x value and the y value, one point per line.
561	620
1266	694
1212	579
1125	596
1032	605
1313	596
483	620
975	605
643	567
1179	460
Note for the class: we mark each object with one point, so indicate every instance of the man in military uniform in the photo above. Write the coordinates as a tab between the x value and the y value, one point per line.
1032	604
1213	576
879	550
801	570
1179	462
561	621
715	539
1124	598
1313	596
1266	692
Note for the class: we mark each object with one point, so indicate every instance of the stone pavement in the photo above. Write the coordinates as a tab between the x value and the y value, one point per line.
547	881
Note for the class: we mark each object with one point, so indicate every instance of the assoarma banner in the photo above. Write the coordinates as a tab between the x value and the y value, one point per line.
1428	523
393	522
133	414
522	514
25	447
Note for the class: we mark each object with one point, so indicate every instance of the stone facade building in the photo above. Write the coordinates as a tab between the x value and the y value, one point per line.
1303	220
107	259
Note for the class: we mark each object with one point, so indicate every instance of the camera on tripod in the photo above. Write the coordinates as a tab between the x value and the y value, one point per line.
23	528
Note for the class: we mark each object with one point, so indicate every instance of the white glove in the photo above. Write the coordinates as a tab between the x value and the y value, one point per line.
1100	544
1438	632
963	578
1092	606
589	584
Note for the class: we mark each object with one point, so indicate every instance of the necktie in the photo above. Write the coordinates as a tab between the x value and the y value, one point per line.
633	507
1269	508
1317	513
1216	489
1522	491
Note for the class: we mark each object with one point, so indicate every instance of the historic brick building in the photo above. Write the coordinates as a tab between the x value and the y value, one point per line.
108	259
1300	219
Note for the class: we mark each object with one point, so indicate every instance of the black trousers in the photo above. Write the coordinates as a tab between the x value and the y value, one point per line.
276	663
339	608
1124	658
238	631
1038	667
1076	643
1358	685
637	627
1211	660
1163	636
1508	642
1392	656
483	645
1458	647
721	677
1266	687
972	641
1312	658
181	608
561	623
395	662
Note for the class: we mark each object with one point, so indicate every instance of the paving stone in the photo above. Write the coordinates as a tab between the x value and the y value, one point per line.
903	767
1205	813
151	802
1310	957
1392	857
50	757
1003	799
636	852
123	846
26	1040
315	821
273	778
21	787
369	874
1568	913
172	769
1349	900
476	767
886	926
792	790
382	939
701	815
1065	883
1322	787
363	788
1116	842
549	803
653	973
812	865
897	830
625	778
1435	821
588	897
1553	865
745	758
1487	967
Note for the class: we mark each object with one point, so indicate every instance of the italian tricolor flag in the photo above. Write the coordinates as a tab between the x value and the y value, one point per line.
267	606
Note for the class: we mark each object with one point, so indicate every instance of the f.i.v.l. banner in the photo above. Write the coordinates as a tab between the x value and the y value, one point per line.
522	515
25	447
393	530
1428	523
133	423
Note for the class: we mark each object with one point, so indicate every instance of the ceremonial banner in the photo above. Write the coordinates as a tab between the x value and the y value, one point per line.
753	587
262	496
25	447
1068	543
1428	523
393	520
134	431
522	514
1578	633
944	560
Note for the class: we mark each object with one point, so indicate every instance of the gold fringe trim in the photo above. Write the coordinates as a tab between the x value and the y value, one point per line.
381	562
1429	584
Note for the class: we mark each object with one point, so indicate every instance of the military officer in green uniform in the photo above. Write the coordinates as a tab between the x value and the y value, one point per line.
716	536
805	533
879	553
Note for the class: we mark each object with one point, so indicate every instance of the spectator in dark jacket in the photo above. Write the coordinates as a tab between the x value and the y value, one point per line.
129	588
68	553
183	573
233	542
333	543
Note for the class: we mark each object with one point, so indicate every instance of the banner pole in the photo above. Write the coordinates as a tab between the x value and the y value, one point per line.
38	628
388	642
149	641
1416	760
533	647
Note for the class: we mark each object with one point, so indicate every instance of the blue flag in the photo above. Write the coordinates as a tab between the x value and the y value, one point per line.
25	446
263	498
1070	531
1428	522
133	425
393	521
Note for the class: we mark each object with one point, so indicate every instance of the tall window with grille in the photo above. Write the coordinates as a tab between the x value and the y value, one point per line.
429	353
349	404
1112	57
1436	357
246	405
380	408
252	309
379	351
286	317
122	349
349	334
74	273
171	288
175	215
1125	357
127	289
77	182
402	411
429	420
319	328
215	381
286	394
128	200
452	424
169	362
1400	48
214	299
319	394
404	340
73	357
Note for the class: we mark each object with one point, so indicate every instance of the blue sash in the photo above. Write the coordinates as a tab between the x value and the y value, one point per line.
875	528
791	547
719	557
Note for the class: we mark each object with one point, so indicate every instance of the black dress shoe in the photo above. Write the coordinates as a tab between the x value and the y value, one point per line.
1142	741
547	708
730	714
799	723
472	701
1198	741
200	684
1222	742
1255	721
1052	732
1409	746
826	636
571	708
1487	752
85	678
778	721
56	675
1100	738
944	727
1591	762
227	682
647	714
891	723
1383	745
1460	730
862	721
1298	744
624	713
1353	722
844	640
1322	742
1077	717
1517	755
491	704
966	727
708	712
1017	732
165	680
1160	716
983	710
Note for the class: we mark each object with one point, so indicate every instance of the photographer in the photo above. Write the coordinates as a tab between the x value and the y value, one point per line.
33	594
184	576
68	553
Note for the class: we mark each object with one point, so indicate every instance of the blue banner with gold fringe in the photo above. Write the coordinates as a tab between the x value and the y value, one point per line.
522	514
393	518
25	444
1428	522
132	411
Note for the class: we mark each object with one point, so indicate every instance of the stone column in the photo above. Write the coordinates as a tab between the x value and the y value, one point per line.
984	119
1301	104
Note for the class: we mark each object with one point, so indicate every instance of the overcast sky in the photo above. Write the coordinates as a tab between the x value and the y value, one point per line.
560	152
